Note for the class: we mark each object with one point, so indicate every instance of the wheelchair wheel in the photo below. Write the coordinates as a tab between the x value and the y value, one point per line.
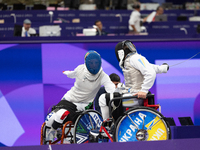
43	134
87	121
141	124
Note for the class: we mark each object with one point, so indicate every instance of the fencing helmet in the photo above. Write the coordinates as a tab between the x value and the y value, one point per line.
122	49
93	62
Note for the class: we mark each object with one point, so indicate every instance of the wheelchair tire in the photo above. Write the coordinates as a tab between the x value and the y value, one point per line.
88	120
141	124
43	134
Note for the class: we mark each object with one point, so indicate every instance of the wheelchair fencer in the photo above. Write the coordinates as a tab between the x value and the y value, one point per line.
139	123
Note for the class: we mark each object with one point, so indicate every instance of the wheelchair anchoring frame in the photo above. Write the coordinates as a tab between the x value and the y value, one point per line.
105	130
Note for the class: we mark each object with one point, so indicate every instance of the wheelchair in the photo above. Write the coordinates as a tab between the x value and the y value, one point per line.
139	123
78	132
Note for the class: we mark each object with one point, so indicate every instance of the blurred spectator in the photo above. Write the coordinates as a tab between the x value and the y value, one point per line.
151	17
26	30
11	2
132	1
86	1
18	3
55	3
134	20
99	25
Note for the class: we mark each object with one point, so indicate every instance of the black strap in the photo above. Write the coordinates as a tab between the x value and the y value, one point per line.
119	108
107	96
116	95
66	105
55	125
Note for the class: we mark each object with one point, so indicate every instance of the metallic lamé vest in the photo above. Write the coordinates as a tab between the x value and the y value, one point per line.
133	77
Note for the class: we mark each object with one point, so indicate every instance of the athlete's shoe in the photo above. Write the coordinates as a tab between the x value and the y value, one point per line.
59	133
96	132
51	135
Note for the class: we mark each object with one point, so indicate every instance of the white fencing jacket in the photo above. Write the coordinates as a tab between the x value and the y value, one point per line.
140	74
87	85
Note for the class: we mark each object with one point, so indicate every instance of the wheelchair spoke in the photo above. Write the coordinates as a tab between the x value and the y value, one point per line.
91	121
143	123
97	124
133	122
153	124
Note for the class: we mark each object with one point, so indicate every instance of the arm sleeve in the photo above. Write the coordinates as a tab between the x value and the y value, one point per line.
141	63
134	18
34	31
159	69
70	74
151	16
108	84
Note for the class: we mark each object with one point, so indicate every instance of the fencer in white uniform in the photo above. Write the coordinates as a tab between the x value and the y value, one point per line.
139	76
89	77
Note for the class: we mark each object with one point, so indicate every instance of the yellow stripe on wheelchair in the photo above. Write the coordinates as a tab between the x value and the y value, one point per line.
127	101
157	130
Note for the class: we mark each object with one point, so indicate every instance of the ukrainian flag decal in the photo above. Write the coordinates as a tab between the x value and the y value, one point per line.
141	60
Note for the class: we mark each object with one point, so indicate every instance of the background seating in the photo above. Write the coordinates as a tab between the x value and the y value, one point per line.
114	21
